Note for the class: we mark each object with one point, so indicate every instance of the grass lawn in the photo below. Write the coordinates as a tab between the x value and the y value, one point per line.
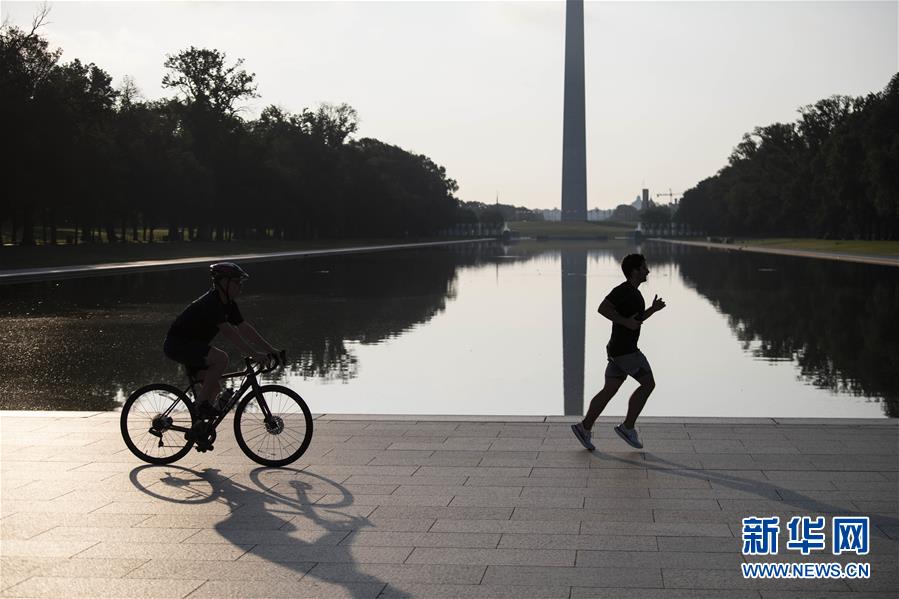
871	248
571	229
12	257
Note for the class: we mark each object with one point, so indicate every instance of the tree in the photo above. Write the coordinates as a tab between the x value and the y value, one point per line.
625	213
25	65
331	125
204	78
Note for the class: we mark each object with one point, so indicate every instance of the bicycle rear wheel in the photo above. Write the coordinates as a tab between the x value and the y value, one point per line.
154	421
282	437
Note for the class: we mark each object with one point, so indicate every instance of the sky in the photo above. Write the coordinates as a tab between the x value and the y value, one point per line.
671	86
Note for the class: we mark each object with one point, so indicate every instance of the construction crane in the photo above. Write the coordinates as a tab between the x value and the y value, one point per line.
670	195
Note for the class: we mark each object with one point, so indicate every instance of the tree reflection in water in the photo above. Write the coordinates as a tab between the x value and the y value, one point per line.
73	342
835	320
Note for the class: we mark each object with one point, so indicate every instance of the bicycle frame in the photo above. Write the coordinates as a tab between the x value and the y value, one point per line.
250	382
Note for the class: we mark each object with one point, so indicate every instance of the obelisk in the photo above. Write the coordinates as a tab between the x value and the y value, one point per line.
574	136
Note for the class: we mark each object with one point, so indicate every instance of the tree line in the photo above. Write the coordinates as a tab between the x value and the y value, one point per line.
833	173
97	161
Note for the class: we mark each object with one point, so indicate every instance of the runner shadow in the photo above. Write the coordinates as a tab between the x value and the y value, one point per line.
280	522
765	490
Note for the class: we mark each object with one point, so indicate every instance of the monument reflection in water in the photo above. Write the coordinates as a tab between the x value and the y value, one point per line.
478	330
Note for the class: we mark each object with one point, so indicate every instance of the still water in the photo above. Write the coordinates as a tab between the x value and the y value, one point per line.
487	329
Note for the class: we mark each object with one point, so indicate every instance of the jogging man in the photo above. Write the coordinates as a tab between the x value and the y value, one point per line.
215	311
625	307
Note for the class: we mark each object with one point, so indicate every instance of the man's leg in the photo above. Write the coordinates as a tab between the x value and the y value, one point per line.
638	399
601	400
216	362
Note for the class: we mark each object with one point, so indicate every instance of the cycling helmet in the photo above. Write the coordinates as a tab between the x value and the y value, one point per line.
227	270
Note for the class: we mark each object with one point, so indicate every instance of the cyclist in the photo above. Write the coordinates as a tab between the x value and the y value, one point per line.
188	339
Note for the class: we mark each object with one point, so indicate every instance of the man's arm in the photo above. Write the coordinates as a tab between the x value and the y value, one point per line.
250	333
657	304
607	309
233	335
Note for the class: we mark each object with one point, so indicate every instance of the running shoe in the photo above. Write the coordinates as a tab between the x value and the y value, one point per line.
583	435
629	435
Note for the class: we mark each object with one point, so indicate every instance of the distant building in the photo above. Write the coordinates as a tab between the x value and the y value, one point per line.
597	214
551	214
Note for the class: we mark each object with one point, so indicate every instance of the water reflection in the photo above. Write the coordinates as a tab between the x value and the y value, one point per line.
73	343
574	307
835	320
478	328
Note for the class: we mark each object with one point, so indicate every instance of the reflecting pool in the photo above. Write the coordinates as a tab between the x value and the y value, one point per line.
487	329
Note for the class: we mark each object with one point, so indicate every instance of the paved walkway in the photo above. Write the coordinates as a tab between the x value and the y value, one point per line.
387	507
860	258
18	275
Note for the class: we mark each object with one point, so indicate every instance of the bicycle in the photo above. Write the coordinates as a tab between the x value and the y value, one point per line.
272	423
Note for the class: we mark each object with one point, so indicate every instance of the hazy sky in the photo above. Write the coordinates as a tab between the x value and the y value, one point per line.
477	86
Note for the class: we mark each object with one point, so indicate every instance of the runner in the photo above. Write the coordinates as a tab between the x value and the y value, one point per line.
625	307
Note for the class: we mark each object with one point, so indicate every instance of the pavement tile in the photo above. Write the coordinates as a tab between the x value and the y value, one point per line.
398	500
473	591
367	538
481	491
823	474
609	492
85	568
525	481
56	549
637	503
101	587
450	513
658	559
314	553
659	529
185	551
285	536
63	534
578	541
508	557
582	515
252	521
558	501
507	526
594	577
482	471
699	544
621	593
405	573
51	507
219	570
280	588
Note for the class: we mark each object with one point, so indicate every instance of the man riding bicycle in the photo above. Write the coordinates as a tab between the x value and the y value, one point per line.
188	339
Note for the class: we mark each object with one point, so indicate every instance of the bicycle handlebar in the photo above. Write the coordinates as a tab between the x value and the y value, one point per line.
275	361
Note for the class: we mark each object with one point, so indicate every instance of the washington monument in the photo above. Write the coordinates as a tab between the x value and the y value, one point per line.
574	137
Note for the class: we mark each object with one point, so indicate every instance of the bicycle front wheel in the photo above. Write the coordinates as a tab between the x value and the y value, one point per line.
279	438
154	422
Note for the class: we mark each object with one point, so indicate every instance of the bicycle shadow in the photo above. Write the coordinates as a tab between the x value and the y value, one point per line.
295	533
766	490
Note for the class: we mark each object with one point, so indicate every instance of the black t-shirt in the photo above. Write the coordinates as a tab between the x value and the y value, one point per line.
201	319
628	302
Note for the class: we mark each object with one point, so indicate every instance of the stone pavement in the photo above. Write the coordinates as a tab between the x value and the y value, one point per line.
440	507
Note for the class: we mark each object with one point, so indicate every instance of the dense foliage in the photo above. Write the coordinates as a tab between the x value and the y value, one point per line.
834	173
98	161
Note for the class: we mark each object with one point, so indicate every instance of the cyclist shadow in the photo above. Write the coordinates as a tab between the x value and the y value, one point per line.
289	530
764	490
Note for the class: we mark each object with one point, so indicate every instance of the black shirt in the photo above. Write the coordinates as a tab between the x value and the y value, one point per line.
628	302
201	319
